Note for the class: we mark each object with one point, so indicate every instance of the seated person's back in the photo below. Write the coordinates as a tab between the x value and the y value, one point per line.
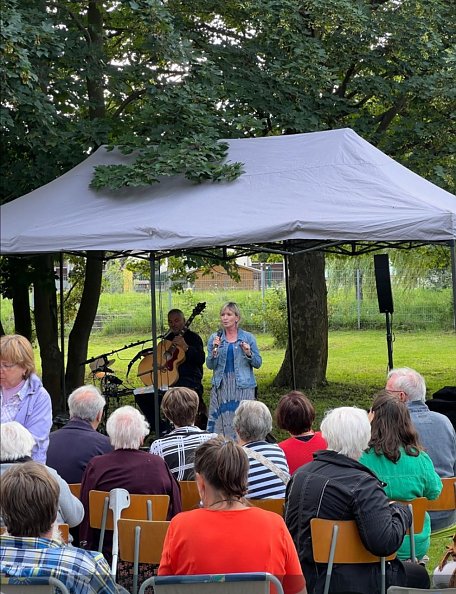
29	501
180	406
268	471
228	535
74	445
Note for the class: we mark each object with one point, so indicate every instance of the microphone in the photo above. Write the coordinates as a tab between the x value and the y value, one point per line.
216	346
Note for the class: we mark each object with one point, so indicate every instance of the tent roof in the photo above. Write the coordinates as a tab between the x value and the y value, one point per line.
322	186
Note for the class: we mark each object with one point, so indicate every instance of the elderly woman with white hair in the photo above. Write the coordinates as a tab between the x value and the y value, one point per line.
127	467
336	486
16	446
268	471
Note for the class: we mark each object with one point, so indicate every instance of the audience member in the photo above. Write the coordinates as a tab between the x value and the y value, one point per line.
16	445
180	406
126	467
336	486
295	413
228	536
396	456
435	431
72	446
23	397
29	502
268	472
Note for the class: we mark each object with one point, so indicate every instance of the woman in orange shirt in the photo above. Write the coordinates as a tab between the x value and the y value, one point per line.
227	535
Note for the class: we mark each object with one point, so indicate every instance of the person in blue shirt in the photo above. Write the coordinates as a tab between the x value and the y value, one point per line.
29	498
232	355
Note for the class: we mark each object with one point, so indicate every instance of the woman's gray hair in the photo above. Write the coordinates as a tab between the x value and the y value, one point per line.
127	428
252	420
347	431
85	403
15	441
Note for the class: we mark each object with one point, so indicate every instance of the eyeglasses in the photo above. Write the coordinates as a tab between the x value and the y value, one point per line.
4	365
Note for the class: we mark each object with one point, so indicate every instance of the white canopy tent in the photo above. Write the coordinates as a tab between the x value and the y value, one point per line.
320	188
324	186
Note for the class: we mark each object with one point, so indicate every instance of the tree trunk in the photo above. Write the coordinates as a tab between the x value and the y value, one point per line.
80	333
309	318
47	329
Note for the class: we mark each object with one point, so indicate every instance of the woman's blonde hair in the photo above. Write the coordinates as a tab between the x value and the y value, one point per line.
16	349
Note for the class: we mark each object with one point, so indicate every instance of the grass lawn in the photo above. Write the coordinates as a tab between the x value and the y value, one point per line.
357	367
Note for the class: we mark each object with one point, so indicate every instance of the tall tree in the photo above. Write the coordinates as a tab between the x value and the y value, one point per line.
171	78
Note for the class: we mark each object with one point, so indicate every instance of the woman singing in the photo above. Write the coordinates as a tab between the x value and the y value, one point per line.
232	355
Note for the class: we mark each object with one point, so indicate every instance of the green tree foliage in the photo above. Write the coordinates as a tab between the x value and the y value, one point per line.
167	80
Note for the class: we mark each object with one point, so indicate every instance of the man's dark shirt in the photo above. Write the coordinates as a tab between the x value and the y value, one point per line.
73	446
191	370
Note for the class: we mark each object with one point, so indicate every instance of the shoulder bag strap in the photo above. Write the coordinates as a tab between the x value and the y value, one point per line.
283	476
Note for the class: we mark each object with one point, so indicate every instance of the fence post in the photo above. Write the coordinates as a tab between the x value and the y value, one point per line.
263	283
358	298
453	279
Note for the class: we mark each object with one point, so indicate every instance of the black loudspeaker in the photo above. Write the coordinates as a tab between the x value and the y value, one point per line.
383	282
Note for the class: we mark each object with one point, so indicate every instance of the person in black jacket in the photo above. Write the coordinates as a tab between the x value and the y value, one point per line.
191	370
336	486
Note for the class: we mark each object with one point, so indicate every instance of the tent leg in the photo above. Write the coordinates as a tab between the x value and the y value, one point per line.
153	305
290	325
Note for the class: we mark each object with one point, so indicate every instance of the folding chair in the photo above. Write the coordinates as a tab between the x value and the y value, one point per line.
75	488
141	541
418	509
405	590
446	501
228	583
337	541
102	504
273	505
32	585
189	495
64	530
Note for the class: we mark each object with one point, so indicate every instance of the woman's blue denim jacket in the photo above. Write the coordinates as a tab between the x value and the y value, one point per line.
243	366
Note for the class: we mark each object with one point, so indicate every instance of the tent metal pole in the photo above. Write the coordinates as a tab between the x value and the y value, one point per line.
453	278
153	305
290	325
62	330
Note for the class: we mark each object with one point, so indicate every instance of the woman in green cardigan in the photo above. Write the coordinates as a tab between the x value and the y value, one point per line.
397	458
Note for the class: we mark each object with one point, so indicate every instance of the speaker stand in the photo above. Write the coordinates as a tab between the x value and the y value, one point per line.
389	339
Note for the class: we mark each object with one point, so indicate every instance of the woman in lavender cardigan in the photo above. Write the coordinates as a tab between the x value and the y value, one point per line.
22	394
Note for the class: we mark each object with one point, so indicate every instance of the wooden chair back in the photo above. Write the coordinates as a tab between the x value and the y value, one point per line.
274	505
75	488
447	498
151	539
64	530
189	495
141	541
350	548
419	507
337	541
138	509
